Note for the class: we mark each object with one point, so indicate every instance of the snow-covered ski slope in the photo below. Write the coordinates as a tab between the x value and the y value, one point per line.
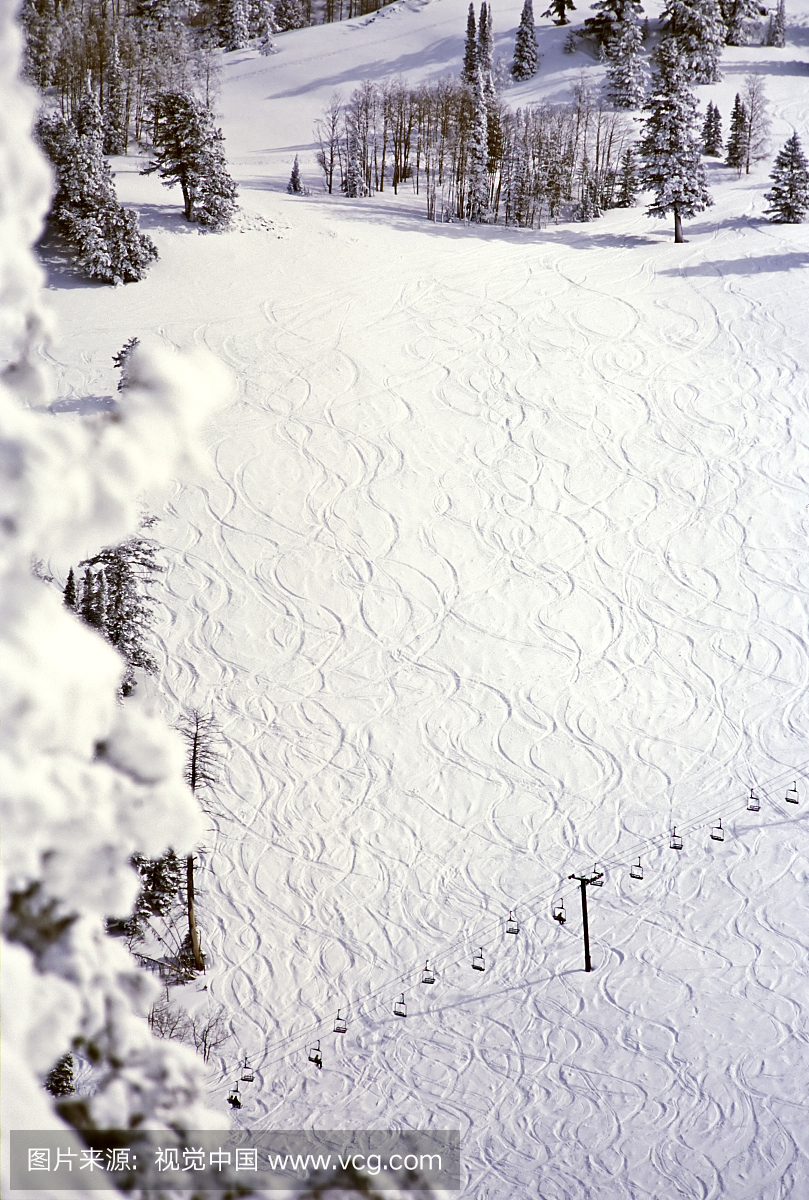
500	570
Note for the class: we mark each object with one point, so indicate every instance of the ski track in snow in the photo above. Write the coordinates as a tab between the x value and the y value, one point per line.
475	613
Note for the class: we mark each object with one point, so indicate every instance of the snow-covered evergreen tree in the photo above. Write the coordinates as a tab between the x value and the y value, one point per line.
737	14
611	18
526	51
121	361
777	27
736	149
262	24
789	195
115	110
189	152
625	71
700	30
485	42
295	187
669	148
289	14
627	182
103	236
70	594
558	10
43	36
477	196
354	176
470	51
712	144
233	21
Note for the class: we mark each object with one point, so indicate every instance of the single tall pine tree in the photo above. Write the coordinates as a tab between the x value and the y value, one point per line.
777	27
233	19
789	196
477	202
736	149
700	30
625	73
558	11
611	18
115	107
627	180
669	148
526	52
189	152
712	132
295	187
470	52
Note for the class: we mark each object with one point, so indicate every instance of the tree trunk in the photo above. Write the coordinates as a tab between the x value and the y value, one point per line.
678	226
199	961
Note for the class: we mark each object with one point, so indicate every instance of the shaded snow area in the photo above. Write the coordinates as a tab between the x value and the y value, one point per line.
501	572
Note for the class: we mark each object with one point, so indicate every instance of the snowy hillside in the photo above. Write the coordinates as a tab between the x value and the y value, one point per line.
501	572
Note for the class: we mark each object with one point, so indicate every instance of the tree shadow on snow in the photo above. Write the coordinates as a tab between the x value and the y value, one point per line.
439	53
84	405
764	264
164	218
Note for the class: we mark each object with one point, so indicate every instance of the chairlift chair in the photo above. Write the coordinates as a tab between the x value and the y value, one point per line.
598	877
247	1071
718	833
400	1008
792	794
636	871
315	1056
427	976
753	802
675	841
234	1099
558	913
478	961
339	1023
512	924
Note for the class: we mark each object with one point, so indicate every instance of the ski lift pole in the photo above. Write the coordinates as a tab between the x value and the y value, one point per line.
584	880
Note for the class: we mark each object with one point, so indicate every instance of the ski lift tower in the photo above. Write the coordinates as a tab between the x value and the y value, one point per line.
596	879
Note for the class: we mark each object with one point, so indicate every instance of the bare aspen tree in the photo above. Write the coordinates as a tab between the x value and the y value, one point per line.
201	735
758	124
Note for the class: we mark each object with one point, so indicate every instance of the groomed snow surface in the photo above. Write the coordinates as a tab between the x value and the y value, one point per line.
501	570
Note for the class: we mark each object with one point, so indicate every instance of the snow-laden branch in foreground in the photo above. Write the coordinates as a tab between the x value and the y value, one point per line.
84	781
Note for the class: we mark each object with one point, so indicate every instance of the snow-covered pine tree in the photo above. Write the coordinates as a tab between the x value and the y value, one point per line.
777	27
669	148
354	176
712	144
625	72
789	195
700	30
295	187
262	24
627	180
485	42
470	50
104	237
736	148
233	23
60	1080
115	111
42	39
736	14
611	17
477	193
526	51
557	11
289	14
189	152
70	594
127	571
121	361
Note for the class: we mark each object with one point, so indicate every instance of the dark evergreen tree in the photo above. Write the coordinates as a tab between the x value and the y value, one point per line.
700	30
233	22
611	18
526	51
777	27
89	609
789	195
121	361
712	132
737	14
736	149
477	206
289	14
42	38
470	53
625	72
115	109
627	180
104	237
558	11
70	594
295	187
669	148
485	42
60	1080
189	152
